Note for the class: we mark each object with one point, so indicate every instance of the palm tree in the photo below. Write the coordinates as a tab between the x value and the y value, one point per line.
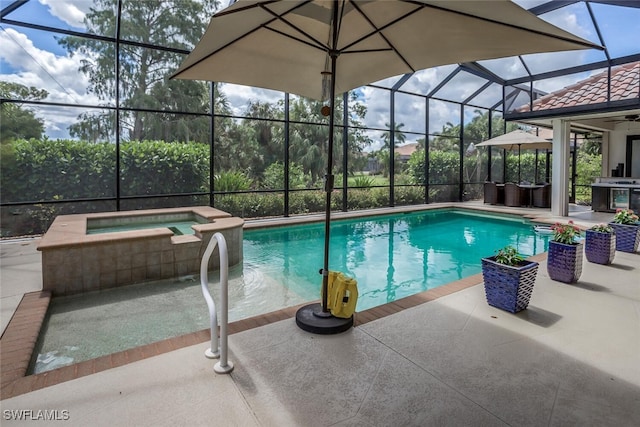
384	153
399	137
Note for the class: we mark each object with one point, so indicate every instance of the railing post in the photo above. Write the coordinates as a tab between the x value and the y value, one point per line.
214	352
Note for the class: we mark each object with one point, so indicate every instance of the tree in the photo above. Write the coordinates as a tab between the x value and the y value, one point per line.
592	144
308	142
18	121
308	139
357	138
274	176
477	130
235	148
143	71
267	136
588	168
383	155
447	139
399	136
474	132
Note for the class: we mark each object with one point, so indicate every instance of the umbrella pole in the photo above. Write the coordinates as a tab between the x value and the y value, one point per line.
518	163
328	186
316	318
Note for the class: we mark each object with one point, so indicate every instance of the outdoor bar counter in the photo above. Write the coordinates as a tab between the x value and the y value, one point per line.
609	194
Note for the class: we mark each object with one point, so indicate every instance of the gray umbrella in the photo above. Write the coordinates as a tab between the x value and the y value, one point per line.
321	48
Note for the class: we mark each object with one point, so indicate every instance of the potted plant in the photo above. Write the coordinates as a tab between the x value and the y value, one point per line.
508	279
625	224
564	260
600	244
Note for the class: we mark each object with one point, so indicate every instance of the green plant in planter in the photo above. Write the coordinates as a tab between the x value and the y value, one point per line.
627	229
600	244
508	279
565	233
508	256
602	228
564	259
625	216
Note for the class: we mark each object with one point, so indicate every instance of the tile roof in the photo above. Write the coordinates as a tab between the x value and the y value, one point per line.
625	84
407	149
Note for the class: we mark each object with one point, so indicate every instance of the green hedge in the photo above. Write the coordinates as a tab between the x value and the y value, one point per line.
256	205
158	167
43	170
67	170
38	170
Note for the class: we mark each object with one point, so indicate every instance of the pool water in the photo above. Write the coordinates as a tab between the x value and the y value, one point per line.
86	326
178	227
390	257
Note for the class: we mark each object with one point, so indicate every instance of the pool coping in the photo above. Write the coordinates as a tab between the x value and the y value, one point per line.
21	334
71	230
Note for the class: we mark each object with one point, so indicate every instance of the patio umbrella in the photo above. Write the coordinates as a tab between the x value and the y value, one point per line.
521	140
321	48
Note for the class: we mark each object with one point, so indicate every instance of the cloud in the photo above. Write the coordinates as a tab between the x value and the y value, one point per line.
71	12
411	110
56	74
507	68
378	107
239	96
57	120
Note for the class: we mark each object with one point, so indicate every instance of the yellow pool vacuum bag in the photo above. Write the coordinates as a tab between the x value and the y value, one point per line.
342	295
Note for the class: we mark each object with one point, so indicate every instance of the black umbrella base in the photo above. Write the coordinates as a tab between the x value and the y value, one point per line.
312	319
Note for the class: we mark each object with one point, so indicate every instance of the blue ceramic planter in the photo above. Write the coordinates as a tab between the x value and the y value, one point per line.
599	247
508	287
627	236
564	262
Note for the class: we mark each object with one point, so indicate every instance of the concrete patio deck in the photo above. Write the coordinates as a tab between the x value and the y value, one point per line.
571	358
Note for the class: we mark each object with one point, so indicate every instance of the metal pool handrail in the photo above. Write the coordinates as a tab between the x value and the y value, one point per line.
214	352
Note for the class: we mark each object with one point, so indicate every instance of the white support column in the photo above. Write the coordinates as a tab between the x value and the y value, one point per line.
606	169
560	168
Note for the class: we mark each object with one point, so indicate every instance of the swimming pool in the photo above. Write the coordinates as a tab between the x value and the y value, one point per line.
391	256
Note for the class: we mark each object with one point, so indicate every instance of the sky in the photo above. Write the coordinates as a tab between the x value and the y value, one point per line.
34	58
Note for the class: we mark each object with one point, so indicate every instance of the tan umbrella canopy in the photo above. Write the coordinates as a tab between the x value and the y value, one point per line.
320	48
517	139
520	140
286	45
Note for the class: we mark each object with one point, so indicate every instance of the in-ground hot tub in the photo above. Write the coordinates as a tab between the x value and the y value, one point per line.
88	252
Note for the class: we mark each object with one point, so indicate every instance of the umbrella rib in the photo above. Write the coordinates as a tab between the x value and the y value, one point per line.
420	6
338	25
379	31
388	49
316	43
224	12
319	46
262	6
517	27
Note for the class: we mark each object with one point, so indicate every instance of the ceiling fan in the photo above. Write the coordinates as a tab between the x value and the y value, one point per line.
627	118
